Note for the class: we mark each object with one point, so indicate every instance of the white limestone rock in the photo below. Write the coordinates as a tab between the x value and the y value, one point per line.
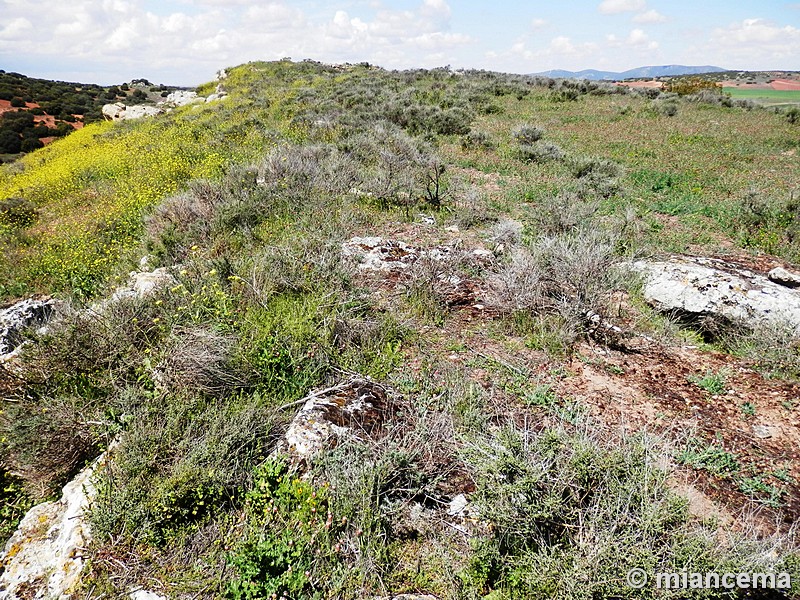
15	318
140	111
182	98
46	554
356	407
114	112
707	287
784	277
145	595
120	112
377	254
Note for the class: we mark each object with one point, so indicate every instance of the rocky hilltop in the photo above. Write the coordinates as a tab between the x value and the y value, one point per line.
330	331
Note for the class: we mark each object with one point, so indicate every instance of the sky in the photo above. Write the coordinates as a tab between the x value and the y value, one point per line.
185	42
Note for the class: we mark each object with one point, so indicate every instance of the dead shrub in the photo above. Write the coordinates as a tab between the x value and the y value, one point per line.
198	361
47	441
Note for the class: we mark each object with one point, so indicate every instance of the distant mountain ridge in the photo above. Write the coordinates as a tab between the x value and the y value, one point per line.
649	72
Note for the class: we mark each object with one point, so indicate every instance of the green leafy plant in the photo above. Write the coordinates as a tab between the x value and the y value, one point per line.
291	535
761	492
714	459
713	383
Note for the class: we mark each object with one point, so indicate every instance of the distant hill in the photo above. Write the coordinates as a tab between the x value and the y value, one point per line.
640	72
34	111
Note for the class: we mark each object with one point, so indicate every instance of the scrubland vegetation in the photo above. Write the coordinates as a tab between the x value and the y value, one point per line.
250	200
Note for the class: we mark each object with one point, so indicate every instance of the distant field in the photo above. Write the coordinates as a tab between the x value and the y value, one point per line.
765	96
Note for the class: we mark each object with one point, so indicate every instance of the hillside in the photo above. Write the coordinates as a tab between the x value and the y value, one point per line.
34	112
357	333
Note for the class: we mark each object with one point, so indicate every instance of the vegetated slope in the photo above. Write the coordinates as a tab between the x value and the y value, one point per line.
35	111
504	385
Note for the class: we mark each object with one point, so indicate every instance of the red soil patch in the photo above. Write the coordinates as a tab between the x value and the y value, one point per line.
651	389
642	84
5	106
785	84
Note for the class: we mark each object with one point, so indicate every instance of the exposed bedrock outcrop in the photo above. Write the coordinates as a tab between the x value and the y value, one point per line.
356	408
45	556
17	317
697	287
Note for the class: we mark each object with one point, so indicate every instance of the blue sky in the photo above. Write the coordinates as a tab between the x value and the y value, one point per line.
185	42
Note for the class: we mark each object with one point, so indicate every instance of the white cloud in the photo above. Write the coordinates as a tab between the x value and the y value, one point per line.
755	44
649	16
188	40
636	39
613	7
16	29
537	24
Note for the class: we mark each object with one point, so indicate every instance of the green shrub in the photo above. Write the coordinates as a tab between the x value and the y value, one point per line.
571	513
10	142
292	537
14	502
182	462
30	144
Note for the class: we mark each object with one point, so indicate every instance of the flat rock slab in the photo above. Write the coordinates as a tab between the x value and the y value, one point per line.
709	287
407	597
392	262
355	408
378	254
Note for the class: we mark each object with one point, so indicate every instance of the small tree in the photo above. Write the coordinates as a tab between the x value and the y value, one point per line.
10	142
31	144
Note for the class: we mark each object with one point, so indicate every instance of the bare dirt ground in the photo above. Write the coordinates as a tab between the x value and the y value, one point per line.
643	84
775	84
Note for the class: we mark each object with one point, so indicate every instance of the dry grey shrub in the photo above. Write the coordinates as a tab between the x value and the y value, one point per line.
774	349
527	134
184	219
470	206
540	152
563	213
397	169
506	233
300	267
571	275
198	360
297	171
